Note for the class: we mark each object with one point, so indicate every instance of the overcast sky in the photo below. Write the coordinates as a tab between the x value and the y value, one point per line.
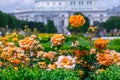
10	5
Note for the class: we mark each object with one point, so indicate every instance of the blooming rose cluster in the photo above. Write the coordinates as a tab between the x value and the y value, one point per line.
27	43
66	62
108	58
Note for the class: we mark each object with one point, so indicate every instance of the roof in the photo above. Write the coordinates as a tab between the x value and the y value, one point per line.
114	10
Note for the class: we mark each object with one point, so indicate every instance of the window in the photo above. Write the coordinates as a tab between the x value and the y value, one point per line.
73	3
90	2
89	16
79	3
62	22
101	20
87	2
53	3
26	18
48	18
59	3
101	15
82	3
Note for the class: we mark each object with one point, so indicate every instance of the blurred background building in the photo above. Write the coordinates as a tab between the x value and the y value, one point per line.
60	10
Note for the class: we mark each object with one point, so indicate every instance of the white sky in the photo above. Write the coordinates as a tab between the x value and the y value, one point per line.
10	5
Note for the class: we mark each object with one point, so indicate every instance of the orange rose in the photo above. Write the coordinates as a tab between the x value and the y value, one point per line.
27	43
116	56
50	55
100	44
107	51
52	66
57	39
15	61
92	51
42	64
77	20
33	36
105	59
79	53
4	39
1	64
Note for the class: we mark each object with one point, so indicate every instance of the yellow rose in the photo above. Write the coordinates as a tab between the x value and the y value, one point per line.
15	39
16	68
77	20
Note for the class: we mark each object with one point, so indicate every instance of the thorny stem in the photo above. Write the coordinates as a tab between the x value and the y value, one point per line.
76	31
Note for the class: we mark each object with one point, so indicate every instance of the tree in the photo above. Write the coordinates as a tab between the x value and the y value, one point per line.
112	23
83	28
50	27
14	23
40	26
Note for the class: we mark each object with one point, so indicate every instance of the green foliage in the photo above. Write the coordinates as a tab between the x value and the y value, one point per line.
38	25
115	44
50	27
117	48
111	73
84	43
14	23
83	28
112	23
37	74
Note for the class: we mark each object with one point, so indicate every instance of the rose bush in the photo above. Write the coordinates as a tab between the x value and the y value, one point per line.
81	55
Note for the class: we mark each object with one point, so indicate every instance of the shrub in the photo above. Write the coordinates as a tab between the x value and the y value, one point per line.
111	73
37	74
115	44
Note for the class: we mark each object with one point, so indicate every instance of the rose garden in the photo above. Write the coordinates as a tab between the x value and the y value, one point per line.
58	56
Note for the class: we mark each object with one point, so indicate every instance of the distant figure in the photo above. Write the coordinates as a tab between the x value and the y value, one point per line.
119	33
104	32
111	32
101	33
115	32
68	33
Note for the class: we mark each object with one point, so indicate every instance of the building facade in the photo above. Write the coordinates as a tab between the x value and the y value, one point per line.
115	11
60	10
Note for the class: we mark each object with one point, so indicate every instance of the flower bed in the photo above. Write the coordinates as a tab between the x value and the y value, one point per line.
59	57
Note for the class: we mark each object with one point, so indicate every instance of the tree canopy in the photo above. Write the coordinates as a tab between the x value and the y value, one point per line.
112	23
13	23
50	27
